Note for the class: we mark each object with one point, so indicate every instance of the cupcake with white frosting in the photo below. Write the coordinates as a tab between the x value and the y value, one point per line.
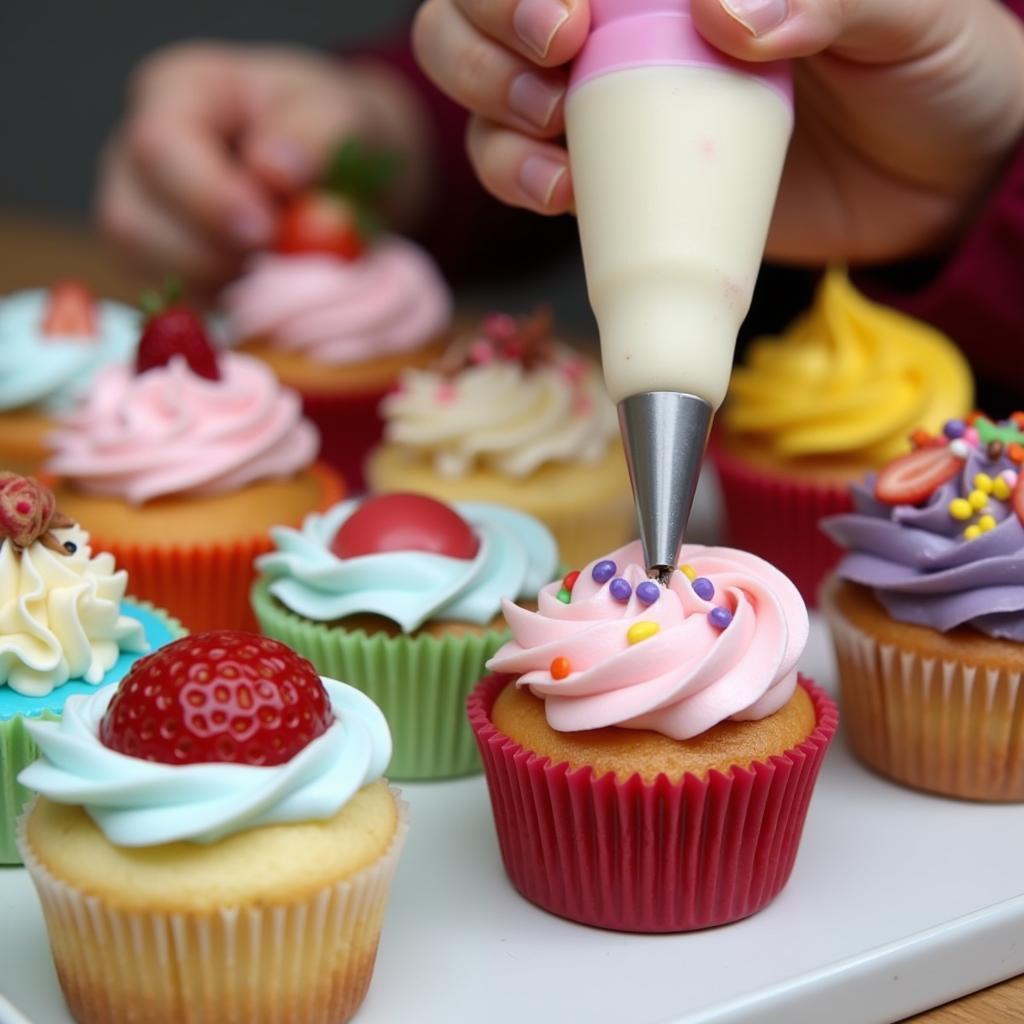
65	627
513	416
401	596
233	863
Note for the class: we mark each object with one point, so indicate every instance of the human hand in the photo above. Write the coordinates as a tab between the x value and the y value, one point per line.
905	110
216	134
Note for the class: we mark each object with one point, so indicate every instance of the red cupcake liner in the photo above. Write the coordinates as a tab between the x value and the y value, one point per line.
778	519
350	427
647	857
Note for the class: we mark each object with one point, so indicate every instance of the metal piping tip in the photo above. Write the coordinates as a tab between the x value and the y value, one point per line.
664	434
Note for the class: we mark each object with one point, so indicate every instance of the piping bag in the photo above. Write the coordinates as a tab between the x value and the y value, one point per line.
676	151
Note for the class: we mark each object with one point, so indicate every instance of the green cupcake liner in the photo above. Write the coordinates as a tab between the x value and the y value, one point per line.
420	683
18	750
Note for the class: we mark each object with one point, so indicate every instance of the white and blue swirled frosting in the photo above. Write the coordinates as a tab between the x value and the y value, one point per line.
516	557
140	803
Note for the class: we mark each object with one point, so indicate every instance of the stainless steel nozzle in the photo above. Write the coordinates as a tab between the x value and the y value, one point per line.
664	434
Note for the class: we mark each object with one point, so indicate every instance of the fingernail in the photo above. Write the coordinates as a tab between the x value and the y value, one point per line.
252	228
537	21
539	177
534	99
757	16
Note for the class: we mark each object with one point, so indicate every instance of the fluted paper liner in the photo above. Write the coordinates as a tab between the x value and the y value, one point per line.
648	857
18	750
777	518
206	585
420	682
308	962
948	727
350	426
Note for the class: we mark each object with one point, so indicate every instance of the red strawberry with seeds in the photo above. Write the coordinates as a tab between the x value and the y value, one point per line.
70	311
912	478
172	329
320	222
223	697
1018	497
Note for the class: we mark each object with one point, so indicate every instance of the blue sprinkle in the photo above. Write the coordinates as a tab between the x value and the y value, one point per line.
648	592
720	617
954	429
604	571
620	590
703	588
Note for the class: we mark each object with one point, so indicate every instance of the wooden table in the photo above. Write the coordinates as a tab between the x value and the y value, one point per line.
35	251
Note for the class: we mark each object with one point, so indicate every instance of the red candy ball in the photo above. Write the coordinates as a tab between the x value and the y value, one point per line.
405	522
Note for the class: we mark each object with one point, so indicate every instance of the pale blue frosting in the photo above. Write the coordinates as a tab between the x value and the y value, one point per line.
54	373
517	556
142	803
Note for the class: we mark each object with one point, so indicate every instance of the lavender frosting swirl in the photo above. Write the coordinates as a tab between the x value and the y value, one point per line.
921	568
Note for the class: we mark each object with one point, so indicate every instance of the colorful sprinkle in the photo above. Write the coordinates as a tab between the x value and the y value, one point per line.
689	572
620	589
642	631
720	617
560	668
973	532
704	588
565	596
1002	488
960	508
954	429
960	448
995	450
1008	433
648	592
570	579
1017	418
986	523
1016	452
604	571
983	482
978	500
972	437
921	439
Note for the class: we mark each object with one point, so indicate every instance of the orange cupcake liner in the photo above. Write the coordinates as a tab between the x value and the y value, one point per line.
946	727
204	585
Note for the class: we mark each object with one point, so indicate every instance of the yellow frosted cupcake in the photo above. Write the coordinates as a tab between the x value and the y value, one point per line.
835	396
232	863
513	417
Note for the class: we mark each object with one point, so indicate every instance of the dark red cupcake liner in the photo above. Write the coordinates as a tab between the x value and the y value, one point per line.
648	857
778	519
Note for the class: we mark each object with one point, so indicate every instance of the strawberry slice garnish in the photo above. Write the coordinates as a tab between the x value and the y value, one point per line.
224	696
70	311
172	329
912	478
319	222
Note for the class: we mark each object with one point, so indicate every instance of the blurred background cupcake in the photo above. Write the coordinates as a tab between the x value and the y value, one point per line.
338	309
65	628
839	393
927	613
511	415
649	751
401	596
181	463
52	343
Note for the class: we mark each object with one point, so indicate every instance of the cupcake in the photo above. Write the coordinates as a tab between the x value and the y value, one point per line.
65	628
512	416
338	310
401	596
651	751
927	613
182	462
52	343
214	841
812	411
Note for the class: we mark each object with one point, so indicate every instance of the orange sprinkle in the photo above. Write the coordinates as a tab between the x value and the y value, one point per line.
560	668
1016	452
1018	419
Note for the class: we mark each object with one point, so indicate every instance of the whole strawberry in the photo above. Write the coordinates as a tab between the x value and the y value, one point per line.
172	329
70	311
224	696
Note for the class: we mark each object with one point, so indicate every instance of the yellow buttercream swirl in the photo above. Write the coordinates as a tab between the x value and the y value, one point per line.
849	378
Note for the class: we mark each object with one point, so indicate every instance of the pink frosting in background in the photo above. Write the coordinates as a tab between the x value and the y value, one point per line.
169	431
391	300
687	677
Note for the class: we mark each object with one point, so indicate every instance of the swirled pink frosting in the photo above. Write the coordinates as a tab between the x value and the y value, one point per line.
169	431
687	677
391	300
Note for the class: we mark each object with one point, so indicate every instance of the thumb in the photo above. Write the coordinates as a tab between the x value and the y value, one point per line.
866	31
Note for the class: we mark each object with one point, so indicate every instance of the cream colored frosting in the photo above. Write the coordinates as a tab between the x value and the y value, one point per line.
60	616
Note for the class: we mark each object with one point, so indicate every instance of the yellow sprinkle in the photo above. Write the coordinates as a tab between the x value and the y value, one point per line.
960	508
978	500
986	523
972	532
1001	489
689	572
642	631
983	482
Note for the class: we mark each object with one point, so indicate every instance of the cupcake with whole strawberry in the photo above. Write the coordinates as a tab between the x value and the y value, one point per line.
650	750
401	595
182	461
214	840
810	412
339	308
53	342
927	613
513	416
65	628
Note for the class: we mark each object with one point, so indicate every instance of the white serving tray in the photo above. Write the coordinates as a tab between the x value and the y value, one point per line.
898	902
